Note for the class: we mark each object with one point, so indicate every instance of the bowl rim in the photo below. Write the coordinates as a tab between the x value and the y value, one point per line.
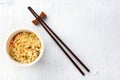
16	31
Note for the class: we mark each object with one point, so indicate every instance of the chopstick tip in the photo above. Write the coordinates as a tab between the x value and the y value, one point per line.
83	74
89	71
29	7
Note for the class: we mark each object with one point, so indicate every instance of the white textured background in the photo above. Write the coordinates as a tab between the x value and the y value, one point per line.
91	28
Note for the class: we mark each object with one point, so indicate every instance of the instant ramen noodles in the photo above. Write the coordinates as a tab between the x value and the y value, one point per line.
25	47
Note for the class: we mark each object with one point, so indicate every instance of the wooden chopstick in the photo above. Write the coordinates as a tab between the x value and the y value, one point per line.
55	40
51	33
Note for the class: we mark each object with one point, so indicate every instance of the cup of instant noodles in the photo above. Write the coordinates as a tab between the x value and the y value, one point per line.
24	47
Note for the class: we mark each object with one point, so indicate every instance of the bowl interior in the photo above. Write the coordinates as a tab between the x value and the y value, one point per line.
24	30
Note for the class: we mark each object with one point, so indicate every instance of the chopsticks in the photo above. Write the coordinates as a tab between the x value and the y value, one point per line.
58	41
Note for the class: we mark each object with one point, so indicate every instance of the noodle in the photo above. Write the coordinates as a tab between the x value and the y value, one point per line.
25	47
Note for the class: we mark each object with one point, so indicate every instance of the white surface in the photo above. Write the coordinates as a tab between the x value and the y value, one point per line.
93	34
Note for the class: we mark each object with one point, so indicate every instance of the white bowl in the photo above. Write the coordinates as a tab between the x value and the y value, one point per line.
8	42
